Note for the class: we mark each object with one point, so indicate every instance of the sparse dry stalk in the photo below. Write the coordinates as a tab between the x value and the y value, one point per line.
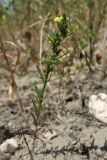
30	152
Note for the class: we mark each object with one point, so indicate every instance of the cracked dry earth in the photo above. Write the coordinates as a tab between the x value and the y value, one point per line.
79	135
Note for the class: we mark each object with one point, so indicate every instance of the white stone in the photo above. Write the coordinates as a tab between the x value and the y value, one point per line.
3	147
9	146
50	135
74	142
98	106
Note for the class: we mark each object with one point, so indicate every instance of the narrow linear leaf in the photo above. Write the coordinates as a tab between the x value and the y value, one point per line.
36	108
39	93
40	73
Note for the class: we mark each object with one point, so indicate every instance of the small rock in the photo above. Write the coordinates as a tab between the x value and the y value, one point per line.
50	135
98	106
9	146
74	142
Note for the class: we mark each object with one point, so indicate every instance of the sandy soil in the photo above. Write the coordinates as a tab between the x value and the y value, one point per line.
79	135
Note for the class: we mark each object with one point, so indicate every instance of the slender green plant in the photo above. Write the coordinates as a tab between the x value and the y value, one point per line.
55	39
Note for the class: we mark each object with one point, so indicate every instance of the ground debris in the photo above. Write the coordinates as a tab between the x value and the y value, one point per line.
79	149
55	151
50	135
22	130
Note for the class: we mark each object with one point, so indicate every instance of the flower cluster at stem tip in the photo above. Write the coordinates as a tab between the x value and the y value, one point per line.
58	19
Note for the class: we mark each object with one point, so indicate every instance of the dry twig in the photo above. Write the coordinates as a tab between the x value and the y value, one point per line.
41	39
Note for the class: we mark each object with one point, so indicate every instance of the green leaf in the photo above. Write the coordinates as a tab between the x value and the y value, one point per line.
36	108
84	44
39	93
40	73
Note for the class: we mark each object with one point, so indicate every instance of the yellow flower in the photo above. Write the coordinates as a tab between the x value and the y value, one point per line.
58	19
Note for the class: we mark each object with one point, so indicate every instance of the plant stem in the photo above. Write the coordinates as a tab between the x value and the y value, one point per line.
28	147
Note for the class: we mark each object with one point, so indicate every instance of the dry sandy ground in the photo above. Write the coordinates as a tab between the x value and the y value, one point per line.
79	135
